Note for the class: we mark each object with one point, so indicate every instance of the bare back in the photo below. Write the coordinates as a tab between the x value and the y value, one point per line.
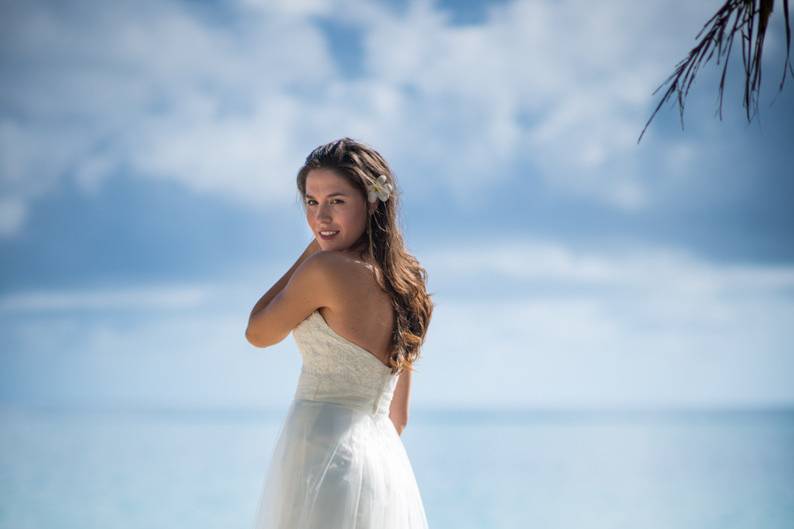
361	312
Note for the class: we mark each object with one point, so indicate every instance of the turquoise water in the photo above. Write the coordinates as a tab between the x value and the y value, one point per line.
106	469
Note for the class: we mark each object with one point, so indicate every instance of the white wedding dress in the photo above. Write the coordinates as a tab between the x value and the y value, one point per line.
339	462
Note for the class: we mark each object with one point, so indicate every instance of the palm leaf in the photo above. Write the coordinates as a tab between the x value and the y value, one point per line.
751	19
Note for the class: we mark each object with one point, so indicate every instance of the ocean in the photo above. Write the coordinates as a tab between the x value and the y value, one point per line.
494	469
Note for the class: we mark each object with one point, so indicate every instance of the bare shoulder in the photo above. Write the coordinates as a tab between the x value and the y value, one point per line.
314	284
339	262
337	272
331	264
353	279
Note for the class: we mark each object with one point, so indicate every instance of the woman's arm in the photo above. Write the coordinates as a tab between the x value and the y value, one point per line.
398	410
281	283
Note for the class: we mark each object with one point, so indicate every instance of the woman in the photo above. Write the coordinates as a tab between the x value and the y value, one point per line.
357	305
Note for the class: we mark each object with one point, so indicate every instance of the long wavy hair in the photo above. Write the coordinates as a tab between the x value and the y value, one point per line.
402	277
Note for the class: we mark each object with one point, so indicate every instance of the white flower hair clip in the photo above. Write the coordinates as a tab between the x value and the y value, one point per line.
379	189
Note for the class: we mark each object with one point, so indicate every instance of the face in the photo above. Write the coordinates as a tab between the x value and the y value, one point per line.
333	204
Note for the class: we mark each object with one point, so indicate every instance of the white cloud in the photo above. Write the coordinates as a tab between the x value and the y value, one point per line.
289	7
158	89
233	107
150	298
652	268
12	215
643	326
515	324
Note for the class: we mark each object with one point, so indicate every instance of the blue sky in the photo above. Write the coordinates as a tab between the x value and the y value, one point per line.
148	154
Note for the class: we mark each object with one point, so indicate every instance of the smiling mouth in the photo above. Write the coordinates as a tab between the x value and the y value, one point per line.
326	235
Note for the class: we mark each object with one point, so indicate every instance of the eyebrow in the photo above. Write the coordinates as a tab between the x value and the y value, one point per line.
331	195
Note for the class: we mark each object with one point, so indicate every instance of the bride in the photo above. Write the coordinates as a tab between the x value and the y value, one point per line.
357	305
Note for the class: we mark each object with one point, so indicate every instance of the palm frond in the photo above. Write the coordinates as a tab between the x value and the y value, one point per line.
751	18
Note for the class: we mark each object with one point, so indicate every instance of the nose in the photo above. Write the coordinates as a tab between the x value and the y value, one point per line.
323	212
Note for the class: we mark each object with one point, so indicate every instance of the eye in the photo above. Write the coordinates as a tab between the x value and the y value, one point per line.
310	200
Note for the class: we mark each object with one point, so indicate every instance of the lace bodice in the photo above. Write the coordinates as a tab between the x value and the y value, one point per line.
337	370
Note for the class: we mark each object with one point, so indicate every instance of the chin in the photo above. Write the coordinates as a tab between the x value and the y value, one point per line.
328	247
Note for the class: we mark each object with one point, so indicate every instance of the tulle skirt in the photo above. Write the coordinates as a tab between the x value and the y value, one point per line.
337	467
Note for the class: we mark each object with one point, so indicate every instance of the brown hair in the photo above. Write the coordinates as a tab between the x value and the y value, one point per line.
402	277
